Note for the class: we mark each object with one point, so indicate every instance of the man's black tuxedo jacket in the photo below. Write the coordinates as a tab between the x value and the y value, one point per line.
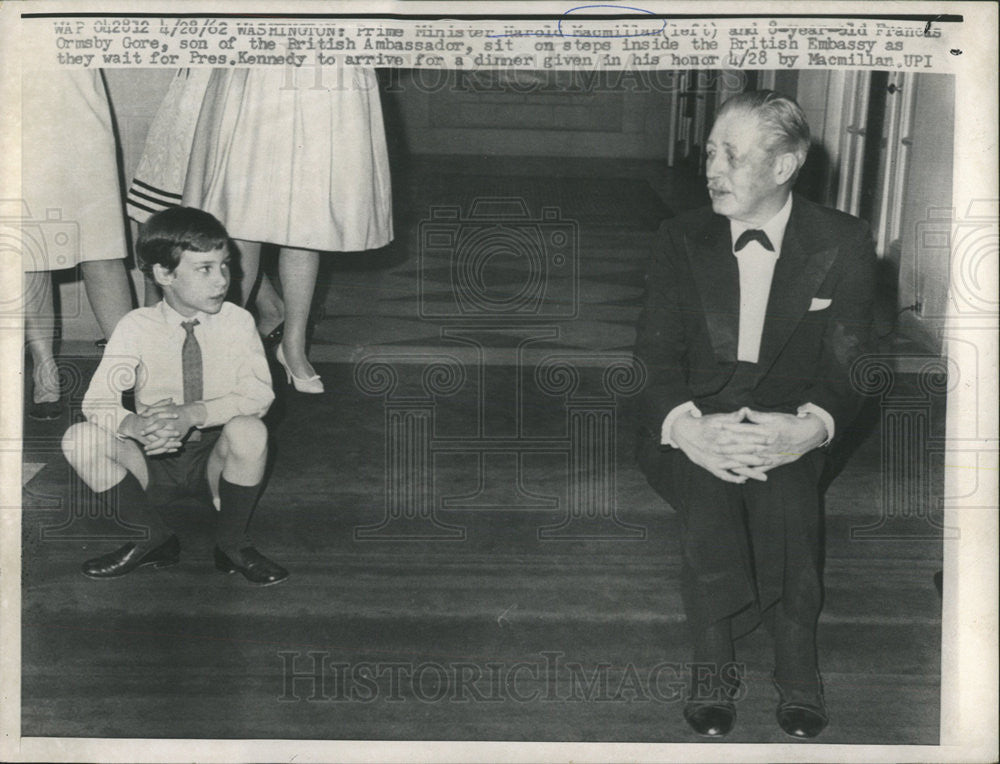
818	320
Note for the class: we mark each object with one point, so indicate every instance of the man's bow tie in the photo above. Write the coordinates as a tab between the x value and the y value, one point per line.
753	234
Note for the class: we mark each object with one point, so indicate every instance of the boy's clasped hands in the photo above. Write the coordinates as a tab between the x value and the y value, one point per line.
162	426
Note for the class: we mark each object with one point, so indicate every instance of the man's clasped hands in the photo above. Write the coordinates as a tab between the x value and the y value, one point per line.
746	444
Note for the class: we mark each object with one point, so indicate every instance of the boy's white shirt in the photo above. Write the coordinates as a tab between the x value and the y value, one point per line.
144	351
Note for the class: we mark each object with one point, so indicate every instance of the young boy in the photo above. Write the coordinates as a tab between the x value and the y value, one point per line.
201	386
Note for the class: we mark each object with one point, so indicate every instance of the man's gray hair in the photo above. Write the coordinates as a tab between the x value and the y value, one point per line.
780	116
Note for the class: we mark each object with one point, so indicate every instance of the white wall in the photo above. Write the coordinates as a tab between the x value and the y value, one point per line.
537	114
925	259
924	250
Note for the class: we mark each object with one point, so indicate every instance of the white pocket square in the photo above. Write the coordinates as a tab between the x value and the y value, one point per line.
818	303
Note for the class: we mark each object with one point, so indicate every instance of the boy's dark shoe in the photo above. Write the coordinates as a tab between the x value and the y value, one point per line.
131	556
254	566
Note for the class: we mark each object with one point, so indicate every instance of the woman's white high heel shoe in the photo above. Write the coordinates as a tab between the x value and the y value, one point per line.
311	384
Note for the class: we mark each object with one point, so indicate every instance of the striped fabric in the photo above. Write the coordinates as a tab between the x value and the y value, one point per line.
144	199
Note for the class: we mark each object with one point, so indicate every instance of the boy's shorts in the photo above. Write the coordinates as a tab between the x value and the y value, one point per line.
183	474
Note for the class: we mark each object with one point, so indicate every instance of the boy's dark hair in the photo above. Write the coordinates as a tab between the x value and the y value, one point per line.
171	232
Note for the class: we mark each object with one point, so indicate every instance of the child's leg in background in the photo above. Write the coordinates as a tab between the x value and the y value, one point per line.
108	290
151	292
39	330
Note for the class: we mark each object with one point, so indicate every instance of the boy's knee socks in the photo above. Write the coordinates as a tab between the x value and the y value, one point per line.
236	505
128	502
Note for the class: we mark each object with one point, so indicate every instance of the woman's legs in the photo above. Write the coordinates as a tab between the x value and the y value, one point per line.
39	330
297	269
108	291
250	265
270	307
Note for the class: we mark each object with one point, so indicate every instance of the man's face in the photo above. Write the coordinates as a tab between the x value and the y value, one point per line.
198	283
742	175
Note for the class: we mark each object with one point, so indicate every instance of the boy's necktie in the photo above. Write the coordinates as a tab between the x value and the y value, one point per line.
191	368
191	364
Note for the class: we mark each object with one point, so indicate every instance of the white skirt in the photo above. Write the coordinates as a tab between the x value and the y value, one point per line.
159	176
71	200
292	164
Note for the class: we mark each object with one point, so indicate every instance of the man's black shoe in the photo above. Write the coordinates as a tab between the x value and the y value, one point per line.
129	557
254	566
802	712
714	715
710	719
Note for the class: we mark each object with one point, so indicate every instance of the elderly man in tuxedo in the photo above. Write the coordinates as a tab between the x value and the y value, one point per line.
755	311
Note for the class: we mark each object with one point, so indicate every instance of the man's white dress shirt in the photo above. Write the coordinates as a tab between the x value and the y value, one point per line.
756	264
